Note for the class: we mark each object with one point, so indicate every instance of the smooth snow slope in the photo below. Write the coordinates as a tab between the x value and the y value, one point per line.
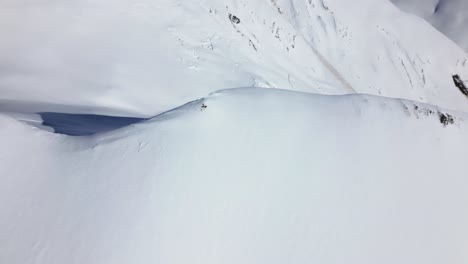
140	58
448	16
258	176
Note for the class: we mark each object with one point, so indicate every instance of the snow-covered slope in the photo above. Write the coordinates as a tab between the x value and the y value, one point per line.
241	176
258	176
448	16
140	58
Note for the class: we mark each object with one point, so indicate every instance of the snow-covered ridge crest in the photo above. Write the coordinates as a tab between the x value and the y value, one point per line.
410	109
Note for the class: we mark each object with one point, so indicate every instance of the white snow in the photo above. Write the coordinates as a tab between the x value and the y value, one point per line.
316	173
448	16
259	176
140	58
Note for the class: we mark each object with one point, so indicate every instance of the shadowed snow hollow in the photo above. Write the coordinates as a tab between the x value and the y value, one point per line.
243	176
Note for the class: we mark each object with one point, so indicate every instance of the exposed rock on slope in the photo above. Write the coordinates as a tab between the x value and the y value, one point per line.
146	57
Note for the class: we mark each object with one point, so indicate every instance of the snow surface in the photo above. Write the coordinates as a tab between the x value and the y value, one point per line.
448	16
141	58
258	176
243	175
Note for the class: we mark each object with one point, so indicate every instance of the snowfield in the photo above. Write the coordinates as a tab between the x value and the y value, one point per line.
243	176
141	58
448	16
361	159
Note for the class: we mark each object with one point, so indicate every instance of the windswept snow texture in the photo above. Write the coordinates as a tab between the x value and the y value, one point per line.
140	58
256	176
448	16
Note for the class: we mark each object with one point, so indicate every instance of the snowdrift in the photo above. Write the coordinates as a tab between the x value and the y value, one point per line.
243	176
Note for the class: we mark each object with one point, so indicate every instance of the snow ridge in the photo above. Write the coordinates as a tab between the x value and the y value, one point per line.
258	175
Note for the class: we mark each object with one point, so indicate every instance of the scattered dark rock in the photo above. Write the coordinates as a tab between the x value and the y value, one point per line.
252	45
459	84
446	119
234	19
203	107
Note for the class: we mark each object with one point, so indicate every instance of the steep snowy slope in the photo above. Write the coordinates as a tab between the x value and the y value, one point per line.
256	176
143	57
448	16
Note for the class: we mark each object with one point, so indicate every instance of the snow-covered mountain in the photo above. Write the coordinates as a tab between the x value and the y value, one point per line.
256	176
144	57
448	16
315	173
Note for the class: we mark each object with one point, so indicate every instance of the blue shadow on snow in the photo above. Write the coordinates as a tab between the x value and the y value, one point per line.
84	124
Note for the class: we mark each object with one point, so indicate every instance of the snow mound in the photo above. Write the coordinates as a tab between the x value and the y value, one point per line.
243	176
